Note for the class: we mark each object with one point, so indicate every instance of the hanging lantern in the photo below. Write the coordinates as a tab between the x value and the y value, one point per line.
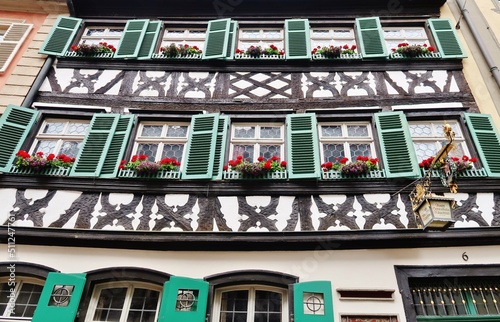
435	212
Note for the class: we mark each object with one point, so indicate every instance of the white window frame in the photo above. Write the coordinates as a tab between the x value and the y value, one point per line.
19	282
187	37
110	39
257	141
438	140
59	137
260	40
163	139
330	38
394	41
251	288
345	139
131	285
10	47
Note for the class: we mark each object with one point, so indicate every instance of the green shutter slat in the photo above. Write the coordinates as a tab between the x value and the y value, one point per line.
232	40
297	42
95	146
487	141
446	38
217	39
201	147
15	124
61	36
66	289
116	150
220	147
132	38
396	145
303	146
148	45
316	295
371	37
193	289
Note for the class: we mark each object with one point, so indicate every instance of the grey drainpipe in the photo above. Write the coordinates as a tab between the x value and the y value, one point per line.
487	56
35	87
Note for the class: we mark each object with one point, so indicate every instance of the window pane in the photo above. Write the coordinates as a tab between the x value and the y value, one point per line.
143	305
110	304
70	148
331	131
357	130
333	152
27	300
76	128
151	130
173	151
268	151
244	132
360	150
270	132
177	131
420	130
267	306
53	128
234	306
45	146
149	150
246	151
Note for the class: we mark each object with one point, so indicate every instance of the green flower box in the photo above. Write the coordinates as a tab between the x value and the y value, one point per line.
74	54
235	175
59	171
342	56
396	55
271	57
183	57
162	174
337	175
469	173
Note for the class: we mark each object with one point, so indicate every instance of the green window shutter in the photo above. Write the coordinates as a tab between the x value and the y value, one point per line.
132	38
201	147
396	144
61	36
312	301
217	39
60	298
486	140
303	151
148	45
95	146
446	38
119	140
297	42
220	147
15	124
12	41
371	37
184	299
231	46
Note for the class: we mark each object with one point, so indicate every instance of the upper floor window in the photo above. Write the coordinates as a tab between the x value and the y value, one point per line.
260	37
161	140
337	36
93	35
124	301
411	35
250	303
191	36
59	136
26	294
428	138
254	140
349	140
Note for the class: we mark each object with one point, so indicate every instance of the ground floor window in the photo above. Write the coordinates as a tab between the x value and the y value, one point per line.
19	297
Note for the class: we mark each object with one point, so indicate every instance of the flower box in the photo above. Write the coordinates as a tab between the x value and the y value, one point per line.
235	175
52	171
161	174
74	54
396	55
468	173
183	57
246	56
342	56
338	175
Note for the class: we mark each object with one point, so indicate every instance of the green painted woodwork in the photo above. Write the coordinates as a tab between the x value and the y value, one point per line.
60	298
297	41
61	36
220	147
132	38
148	45
308	296
119	140
303	146
446	38
15	124
371	38
232	40
217	39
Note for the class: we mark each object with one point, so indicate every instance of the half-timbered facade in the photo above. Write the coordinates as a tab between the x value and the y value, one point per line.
197	89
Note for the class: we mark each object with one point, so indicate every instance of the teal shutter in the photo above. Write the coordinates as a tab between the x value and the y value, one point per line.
201	147
95	146
446	38
60	298
220	147
486	140
119	140
396	144
303	151
312	301
184	299
132	38
217	39
231	46
148	44
15	124
371	37
297	42
61	36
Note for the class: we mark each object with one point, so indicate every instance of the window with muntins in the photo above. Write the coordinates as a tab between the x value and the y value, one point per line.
124	301
336	36
94	35
59	136
411	35
189	36
23	300
252	140
349	140
260	37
